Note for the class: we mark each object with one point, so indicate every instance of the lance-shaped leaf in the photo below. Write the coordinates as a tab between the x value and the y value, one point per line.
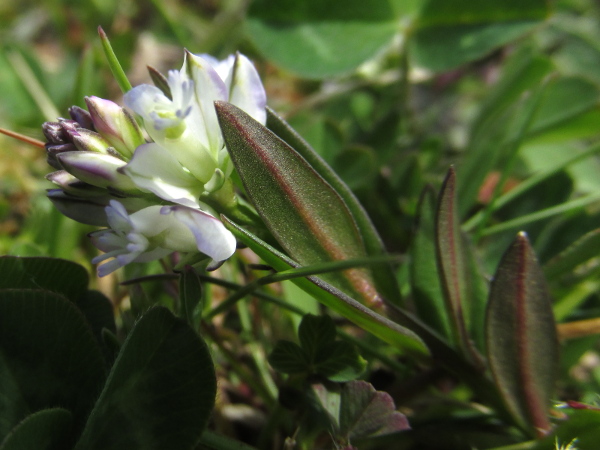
384	276
304	213
582	250
522	343
453	265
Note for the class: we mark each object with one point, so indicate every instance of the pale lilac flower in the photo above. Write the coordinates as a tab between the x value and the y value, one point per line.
155	232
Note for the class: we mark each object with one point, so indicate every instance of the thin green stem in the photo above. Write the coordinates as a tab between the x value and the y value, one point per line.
528	184
563	208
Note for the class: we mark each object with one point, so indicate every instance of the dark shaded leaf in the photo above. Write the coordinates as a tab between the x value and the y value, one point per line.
582	428
99	313
47	429
339	361
160	391
303	212
315	332
315	39
521	336
288	357
48	357
367	412
52	274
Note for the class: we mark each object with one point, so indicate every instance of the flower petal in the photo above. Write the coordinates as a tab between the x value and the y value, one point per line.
212	238
155	169
246	90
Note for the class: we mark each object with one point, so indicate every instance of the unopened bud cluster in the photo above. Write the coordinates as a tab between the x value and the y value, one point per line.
152	185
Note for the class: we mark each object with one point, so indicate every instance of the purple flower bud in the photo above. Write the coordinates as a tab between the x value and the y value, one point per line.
53	150
80	210
82	117
54	132
89	141
116	125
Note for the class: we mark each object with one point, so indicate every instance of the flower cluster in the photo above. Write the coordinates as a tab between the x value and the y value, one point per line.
158	187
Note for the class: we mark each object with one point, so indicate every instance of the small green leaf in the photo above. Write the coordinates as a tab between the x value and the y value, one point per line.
48	357
581	426
522	342
367	412
304	213
47	429
98	311
289	357
160	391
317	40
315	332
51	274
190	293
449	34
339	361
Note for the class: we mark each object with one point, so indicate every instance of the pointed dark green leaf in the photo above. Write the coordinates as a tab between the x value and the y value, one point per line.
451	259
47	429
52	274
424	275
288	357
304	213
160	391
522	342
48	357
383	275
99	313
334	299
367	412
190	293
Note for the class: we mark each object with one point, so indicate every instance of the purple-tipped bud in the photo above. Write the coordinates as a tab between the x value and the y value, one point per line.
53	150
81	210
54	132
89	141
82	117
74	186
97	169
116	125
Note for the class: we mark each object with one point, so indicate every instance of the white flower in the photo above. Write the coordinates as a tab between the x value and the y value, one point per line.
156	231
185	128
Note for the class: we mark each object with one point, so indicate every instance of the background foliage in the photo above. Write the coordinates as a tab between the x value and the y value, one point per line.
390	95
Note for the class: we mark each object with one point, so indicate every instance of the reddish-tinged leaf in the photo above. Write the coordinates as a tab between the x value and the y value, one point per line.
453	266
304	213
521	337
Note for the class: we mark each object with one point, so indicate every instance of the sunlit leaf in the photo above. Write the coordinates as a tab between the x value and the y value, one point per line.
315	39
304	213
